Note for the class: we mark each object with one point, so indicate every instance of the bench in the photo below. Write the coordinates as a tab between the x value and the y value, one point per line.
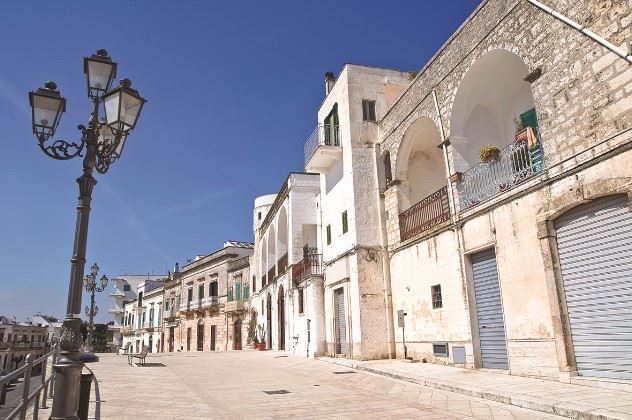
125	349
140	356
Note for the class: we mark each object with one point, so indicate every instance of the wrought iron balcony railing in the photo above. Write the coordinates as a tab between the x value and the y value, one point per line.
282	264
272	273
429	212
517	162
311	265
323	135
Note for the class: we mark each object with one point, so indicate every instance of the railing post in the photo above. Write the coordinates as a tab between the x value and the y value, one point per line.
27	385
44	384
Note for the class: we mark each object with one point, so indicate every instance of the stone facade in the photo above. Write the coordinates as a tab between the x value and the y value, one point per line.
208	301
584	115
17	340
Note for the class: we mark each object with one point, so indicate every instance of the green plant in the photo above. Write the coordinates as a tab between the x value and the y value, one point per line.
252	329
261	333
489	153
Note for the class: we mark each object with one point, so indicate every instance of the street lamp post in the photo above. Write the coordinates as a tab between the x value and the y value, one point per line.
102	143
90	283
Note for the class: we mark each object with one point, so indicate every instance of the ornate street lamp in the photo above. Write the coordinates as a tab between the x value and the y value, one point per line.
90	283
102	144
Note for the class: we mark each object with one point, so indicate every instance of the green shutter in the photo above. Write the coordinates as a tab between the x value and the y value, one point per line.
328	234
237	291
345	223
529	119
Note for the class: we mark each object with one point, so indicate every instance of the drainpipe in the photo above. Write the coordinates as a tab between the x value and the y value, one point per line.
386	263
453	211
581	28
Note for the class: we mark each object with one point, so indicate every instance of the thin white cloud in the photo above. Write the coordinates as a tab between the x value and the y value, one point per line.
14	96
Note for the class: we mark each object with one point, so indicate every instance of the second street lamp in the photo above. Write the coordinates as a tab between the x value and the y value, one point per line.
92	287
102	143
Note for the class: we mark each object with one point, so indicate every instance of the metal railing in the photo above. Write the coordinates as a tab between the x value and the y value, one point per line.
516	163
311	265
282	264
323	135
30	395
429	212
272	273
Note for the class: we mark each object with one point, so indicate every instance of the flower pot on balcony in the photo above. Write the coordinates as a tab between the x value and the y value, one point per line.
489	153
456	177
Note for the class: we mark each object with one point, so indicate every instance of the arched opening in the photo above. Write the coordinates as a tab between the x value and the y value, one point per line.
282	241
422	195
200	335
269	322
420	167
492	103
281	318
263	263
271	253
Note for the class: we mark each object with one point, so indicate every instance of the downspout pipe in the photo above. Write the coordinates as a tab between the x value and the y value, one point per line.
386	262
590	34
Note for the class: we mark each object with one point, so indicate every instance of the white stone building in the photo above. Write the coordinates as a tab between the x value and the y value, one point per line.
124	290
342	151
287	283
142	317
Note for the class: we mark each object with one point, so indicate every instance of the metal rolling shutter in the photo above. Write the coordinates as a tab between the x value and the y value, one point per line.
340	319
491	325
596	263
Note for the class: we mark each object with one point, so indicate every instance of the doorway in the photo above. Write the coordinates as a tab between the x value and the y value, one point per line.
281	318
237	335
213	335
200	336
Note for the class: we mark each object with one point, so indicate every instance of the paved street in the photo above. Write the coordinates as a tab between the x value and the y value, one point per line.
233	385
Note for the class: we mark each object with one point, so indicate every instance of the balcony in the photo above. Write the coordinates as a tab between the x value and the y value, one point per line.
234	306
282	264
211	302
311	265
126	330
117	293
322	148
426	214
272	273
116	311
517	163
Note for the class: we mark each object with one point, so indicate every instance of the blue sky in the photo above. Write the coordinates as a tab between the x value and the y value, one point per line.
233	89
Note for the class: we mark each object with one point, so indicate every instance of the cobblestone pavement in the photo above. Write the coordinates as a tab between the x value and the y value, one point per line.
233	385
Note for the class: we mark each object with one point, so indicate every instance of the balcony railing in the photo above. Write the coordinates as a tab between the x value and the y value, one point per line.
211	301
517	162
272	273
282	264
311	265
323	135
429	212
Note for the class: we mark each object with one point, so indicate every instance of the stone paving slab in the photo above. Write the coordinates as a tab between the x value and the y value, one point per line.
232	385
551	397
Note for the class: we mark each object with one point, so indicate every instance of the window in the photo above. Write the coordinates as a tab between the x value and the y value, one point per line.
300	301
189	294
345	222
368	110
254	284
259	216
440	349
201	291
437	301
151	315
212	290
127	288
328	234
166	305
140	298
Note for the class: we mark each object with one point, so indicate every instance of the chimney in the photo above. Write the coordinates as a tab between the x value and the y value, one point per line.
329	82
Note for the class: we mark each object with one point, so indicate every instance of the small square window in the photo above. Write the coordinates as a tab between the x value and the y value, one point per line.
328	234
440	349
259	216
437	301
345	222
368	110
300	301
126	288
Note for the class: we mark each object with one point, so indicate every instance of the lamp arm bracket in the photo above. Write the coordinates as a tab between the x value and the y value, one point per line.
61	149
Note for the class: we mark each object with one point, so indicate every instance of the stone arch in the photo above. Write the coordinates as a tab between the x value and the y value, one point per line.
419	165
263	260
271	251
282	240
281	317
490	97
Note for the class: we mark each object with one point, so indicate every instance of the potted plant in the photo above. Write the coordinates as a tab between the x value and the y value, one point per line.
252	331
489	153
261	341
